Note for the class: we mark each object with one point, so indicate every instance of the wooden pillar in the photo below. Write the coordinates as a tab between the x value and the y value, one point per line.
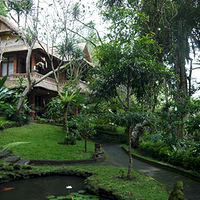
15	71
32	105
76	111
33	62
63	76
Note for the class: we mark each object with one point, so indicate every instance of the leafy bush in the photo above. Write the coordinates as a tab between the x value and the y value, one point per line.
184	152
18	116
42	120
106	128
82	125
164	152
53	110
70	139
2	124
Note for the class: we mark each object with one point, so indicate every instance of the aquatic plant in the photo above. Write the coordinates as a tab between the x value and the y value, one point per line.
75	196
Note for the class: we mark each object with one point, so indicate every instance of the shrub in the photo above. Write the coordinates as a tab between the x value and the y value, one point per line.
176	151
147	146
106	128
70	139
2	124
197	164
176	157
164	153
54	110
156	148
42	120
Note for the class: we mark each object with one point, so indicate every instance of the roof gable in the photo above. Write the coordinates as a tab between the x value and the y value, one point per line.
7	26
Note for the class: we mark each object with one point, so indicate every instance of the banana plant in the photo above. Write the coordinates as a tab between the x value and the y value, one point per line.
3	90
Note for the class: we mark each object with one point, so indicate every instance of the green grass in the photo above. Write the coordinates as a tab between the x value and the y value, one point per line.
109	178
43	143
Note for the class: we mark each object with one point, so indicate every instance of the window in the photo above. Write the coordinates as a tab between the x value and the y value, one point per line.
7	66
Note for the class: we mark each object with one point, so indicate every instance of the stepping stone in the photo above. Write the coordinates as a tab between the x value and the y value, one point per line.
23	162
12	159
4	154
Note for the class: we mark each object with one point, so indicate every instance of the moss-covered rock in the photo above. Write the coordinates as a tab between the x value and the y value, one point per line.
177	192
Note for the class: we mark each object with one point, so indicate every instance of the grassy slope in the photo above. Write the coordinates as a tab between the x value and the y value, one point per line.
43	143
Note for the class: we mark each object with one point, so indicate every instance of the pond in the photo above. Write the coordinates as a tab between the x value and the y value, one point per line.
41	188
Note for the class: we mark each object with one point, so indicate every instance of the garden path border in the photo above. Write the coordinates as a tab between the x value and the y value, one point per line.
177	170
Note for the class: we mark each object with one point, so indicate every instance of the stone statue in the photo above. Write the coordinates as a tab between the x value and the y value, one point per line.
137	133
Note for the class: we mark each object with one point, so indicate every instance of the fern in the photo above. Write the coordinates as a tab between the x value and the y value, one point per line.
2	123
11	145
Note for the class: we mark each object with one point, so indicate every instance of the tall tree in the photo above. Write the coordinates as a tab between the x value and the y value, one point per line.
127	65
22	7
173	25
178	25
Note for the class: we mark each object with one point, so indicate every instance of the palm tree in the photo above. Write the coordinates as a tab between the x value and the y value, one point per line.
65	99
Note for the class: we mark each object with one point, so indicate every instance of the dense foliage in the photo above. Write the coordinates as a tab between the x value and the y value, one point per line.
176	151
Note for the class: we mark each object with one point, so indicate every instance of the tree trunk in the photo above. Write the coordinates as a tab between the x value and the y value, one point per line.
182	88
129	153
190	79
129	130
23	97
29	84
66	121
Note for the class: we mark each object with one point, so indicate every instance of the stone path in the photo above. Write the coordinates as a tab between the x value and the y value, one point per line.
117	157
13	159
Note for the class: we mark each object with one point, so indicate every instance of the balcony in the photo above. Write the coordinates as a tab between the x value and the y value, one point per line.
48	83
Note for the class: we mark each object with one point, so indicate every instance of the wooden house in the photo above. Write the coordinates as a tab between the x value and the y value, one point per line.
13	52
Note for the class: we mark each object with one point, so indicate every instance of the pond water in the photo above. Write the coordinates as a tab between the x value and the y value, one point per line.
40	188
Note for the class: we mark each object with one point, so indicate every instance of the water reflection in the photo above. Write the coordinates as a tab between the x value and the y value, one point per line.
40	188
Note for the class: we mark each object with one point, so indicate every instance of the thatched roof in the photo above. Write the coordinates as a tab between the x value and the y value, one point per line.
10	26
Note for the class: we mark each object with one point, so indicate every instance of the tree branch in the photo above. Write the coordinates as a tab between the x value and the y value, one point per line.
82	37
92	27
122	104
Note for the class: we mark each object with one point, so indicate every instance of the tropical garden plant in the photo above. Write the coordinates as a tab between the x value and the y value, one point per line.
4	92
84	126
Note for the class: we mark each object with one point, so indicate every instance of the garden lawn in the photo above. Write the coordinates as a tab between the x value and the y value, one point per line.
110	179
141	187
43	142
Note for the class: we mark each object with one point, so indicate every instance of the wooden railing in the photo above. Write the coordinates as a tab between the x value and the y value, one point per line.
36	76
51	81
